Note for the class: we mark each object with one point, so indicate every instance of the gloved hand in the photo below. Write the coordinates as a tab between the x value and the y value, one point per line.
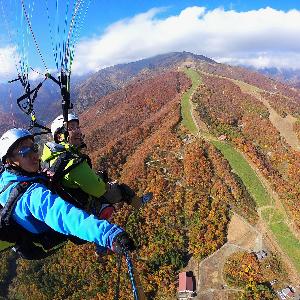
113	193
103	175
127	192
123	242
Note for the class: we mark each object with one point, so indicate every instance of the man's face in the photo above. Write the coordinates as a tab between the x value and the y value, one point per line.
26	156
75	136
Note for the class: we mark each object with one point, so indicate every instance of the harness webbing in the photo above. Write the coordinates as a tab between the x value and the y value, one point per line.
10	231
59	169
15	195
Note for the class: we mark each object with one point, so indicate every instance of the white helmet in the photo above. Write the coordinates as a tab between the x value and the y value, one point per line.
9	138
58	123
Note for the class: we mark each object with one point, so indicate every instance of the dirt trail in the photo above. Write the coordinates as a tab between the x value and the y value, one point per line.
242	236
276	202
201	126
269	237
285	128
283	125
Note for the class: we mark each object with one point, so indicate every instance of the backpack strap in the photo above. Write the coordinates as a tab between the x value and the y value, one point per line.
15	195
77	161
88	160
7	186
58	168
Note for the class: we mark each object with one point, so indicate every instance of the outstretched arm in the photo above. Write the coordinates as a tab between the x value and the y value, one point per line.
47	207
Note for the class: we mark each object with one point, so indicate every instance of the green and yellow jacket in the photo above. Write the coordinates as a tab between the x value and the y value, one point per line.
78	177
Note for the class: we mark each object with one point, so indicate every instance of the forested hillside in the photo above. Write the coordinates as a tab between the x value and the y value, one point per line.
146	147
114	78
245	120
137	134
86	90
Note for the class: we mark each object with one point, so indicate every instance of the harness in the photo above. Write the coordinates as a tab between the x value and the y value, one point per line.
59	169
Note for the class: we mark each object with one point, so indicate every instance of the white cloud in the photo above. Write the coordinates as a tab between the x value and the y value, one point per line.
38	73
264	37
282	60
7	62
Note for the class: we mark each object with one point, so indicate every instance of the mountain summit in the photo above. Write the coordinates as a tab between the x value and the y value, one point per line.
113	78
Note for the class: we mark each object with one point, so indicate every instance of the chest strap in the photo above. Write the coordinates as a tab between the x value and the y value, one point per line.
14	196
58	168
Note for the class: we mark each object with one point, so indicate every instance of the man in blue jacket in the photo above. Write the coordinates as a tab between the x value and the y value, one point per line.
38	210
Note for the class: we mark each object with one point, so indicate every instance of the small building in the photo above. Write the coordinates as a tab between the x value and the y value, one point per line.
187	286
280	295
222	137
288	292
261	254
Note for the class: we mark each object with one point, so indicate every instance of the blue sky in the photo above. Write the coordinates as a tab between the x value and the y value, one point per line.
253	33
103	13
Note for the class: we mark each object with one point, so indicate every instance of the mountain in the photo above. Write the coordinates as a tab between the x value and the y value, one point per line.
113	78
47	105
8	121
285	75
209	194
87	89
219	148
132	113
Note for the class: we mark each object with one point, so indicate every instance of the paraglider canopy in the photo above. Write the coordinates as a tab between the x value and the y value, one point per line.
63	21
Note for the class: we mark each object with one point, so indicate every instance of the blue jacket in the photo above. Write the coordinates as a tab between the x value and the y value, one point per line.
39	208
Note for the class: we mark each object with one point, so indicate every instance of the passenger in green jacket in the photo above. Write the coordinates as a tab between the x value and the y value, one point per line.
73	177
73	171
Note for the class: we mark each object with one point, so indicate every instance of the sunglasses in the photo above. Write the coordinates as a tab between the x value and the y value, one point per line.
74	128
26	150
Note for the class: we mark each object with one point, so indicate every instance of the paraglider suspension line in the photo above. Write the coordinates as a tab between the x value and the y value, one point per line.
33	36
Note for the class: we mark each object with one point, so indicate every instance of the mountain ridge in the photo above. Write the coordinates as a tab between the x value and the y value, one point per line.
88	90
113	78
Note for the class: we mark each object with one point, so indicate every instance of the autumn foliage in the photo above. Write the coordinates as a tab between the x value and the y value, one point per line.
244	119
244	270
137	135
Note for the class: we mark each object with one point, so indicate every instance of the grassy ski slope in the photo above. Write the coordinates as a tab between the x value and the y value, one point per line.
187	118
275	219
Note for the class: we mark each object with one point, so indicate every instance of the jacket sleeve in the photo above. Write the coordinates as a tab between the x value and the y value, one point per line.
63	217
87	180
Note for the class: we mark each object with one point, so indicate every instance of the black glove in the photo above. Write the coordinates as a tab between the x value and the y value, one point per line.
123	242
113	193
127	193
103	175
